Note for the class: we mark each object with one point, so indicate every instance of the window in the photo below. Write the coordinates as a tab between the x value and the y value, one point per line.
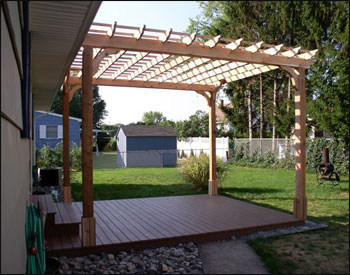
51	132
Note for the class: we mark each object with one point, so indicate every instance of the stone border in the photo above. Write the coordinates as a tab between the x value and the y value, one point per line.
308	226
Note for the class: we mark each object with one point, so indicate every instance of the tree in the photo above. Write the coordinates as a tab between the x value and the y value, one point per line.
153	118
311	24
196	126
98	105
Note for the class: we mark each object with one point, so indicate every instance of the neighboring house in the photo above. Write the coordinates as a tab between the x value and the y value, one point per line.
49	129
39	40
221	118
146	146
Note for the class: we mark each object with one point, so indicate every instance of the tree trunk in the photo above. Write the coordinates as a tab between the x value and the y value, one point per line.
287	142
261	115
250	119
274	115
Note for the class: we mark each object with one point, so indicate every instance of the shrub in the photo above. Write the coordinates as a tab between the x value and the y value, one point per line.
338	154
196	170
75	157
102	140
48	157
111	146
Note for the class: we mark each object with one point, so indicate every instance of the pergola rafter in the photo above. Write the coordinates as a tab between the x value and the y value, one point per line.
125	56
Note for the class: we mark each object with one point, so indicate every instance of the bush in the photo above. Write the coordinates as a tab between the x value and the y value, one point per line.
75	157
196	170
111	146
102	140
338	154
48	157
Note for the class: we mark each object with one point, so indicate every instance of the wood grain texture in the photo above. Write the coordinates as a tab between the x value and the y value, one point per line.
148	222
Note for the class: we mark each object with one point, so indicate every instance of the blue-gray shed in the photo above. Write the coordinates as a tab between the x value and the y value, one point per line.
146	146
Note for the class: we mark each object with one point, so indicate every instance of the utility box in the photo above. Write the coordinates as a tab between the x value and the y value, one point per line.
50	176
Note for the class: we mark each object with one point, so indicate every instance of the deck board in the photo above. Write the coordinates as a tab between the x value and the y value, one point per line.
148	222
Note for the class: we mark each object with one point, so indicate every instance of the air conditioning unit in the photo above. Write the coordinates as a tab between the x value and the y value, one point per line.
50	176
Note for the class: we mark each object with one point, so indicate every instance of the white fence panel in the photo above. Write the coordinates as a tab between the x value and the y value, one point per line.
202	144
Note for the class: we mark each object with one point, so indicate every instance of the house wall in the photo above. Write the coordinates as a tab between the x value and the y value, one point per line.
151	151
51	120
15	151
121	149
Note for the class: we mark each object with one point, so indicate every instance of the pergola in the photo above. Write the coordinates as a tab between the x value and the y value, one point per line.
116	55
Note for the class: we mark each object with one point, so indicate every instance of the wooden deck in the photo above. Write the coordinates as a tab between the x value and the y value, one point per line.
149	222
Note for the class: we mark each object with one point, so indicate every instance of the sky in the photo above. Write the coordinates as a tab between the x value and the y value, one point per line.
126	105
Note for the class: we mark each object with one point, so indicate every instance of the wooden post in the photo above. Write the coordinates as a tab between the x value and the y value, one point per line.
213	184
88	220
66	164
300	201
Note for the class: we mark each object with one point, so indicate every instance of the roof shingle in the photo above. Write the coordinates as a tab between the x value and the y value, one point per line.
148	131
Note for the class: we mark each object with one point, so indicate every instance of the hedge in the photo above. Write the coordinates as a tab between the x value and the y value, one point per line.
338	155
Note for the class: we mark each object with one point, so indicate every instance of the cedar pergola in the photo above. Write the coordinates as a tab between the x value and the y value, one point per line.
117	55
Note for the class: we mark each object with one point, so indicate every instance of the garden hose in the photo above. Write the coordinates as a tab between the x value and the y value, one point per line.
34	240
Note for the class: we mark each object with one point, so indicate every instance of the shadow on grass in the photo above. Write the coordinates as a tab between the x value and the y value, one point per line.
129	191
249	190
333	219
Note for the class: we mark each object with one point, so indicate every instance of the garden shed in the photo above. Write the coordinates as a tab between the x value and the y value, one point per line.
49	129
146	146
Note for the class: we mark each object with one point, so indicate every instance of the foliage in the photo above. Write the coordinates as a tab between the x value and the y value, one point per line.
196	170
310	24
338	154
111	146
98	106
75	157
112	129
48	157
153	118
196	126
102	140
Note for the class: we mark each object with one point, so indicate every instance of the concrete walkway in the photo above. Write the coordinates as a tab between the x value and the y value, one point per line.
230	257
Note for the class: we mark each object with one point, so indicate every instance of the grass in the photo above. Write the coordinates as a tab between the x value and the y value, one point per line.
321	251
127	183
105	160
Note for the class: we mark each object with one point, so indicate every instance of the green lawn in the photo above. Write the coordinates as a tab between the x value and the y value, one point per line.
105	160
126	183
321	251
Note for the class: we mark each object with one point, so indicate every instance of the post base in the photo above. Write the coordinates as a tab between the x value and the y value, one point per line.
213	187
67	194
88	231
299	208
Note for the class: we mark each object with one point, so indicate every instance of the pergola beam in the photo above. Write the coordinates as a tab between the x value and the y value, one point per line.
194	50
146	84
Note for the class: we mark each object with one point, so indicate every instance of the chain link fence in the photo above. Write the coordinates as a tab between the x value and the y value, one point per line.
279	147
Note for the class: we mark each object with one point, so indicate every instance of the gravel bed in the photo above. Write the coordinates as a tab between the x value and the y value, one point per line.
182	259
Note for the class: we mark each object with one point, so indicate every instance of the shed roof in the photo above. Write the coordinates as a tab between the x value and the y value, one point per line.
148	131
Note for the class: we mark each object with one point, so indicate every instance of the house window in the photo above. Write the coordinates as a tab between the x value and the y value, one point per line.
51	131
54	131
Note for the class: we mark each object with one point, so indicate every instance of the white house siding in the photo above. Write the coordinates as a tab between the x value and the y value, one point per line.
15	152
